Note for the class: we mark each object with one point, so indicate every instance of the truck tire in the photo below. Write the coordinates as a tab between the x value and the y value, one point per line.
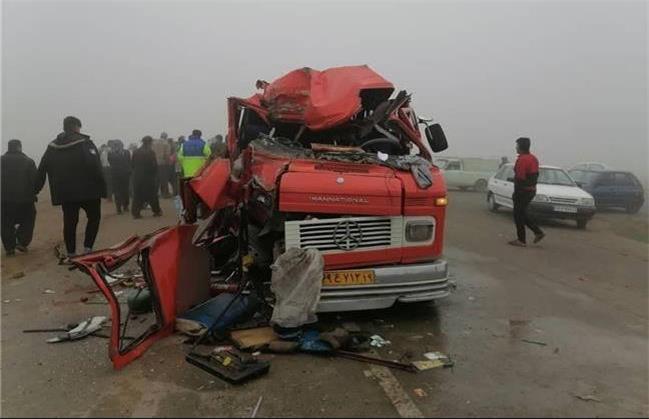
581	223
491	203
480	185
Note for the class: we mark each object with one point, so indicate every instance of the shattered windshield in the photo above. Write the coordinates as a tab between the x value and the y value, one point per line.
418	166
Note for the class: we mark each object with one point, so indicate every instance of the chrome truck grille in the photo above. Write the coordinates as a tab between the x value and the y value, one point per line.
334	235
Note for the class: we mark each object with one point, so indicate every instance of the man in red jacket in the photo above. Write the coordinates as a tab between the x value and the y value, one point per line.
526	171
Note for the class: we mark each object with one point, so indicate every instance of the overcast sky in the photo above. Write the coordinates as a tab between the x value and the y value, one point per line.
570	75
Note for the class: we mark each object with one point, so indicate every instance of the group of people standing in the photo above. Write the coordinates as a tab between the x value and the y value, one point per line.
80	175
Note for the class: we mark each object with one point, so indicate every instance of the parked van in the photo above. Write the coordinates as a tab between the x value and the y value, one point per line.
464	173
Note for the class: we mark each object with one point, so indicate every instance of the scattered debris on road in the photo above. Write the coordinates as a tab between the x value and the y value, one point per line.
377	341
253	338
232	366
419	392
588	398
534	342
83	329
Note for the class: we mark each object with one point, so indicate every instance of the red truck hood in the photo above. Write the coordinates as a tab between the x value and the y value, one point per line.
340	188
355	189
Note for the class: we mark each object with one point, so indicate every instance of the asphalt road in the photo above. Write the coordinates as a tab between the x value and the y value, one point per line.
582	296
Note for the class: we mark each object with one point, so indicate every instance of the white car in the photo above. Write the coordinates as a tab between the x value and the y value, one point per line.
557	195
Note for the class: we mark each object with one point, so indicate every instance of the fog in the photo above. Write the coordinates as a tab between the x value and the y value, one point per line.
570	75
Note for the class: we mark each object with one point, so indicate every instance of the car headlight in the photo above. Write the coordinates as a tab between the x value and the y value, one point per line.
541	198
419	231
587	202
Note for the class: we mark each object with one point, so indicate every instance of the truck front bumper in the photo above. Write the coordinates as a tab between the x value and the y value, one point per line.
403	283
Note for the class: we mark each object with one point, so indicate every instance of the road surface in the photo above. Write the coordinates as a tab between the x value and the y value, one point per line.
581	296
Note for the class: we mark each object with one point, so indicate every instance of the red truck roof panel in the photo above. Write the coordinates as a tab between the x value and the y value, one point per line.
322	99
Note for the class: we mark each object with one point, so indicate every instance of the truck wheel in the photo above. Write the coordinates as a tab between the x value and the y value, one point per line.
581	223
491	203
480	185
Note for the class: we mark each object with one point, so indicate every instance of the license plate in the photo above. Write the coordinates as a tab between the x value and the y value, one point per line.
345	278
562	208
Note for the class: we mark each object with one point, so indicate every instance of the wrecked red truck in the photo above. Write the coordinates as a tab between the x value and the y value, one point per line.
332	160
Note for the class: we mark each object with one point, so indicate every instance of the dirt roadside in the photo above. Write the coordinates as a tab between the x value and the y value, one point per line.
582	293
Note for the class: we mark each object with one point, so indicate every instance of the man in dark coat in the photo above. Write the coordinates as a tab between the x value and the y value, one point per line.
18	197
145	181
120	172
72	165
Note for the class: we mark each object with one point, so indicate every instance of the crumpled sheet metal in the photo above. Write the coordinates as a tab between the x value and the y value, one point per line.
211	185
179	273
321	99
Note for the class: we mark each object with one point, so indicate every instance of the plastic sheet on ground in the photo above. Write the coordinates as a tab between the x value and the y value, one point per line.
296	282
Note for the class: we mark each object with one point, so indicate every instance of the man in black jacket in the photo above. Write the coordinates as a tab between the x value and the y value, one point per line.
145	181
120	172
72	164
18	197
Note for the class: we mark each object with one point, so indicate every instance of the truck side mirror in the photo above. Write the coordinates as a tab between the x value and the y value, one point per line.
436	138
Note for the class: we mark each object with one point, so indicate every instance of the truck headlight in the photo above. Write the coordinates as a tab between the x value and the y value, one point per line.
441	201
419	231
541	198
587	202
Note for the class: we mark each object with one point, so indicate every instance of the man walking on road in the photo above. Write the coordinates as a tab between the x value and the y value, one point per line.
18	197
193	154
526	173
145	185
73	167
120	172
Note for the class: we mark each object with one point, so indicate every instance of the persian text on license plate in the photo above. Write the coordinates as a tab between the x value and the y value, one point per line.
342	278
562	208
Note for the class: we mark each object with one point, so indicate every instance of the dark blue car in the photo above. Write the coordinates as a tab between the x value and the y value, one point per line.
611	188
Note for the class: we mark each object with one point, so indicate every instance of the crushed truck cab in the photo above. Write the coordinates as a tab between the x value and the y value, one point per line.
327	160
332	160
